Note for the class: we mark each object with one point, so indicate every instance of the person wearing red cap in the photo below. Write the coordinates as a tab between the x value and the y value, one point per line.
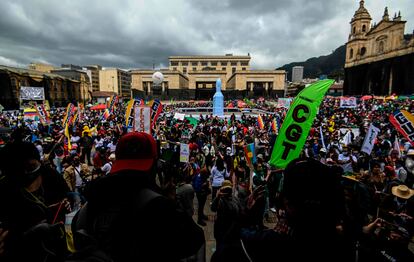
127	219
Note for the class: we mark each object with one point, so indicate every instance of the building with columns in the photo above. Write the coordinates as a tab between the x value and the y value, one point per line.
379	57
194	77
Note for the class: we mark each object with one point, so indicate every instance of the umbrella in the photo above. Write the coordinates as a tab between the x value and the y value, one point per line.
99	107
366	98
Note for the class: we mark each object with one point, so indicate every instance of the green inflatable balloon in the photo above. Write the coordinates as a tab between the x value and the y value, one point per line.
298	122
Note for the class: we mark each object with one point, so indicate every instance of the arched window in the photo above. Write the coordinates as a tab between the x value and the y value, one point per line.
381	47
351	53
364	28
363	51
353	30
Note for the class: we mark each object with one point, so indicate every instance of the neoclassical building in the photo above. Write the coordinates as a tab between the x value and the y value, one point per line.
194	77
379	56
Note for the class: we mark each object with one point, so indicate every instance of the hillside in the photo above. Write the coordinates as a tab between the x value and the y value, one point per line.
331	65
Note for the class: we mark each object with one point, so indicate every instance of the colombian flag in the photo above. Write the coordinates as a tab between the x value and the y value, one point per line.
249	152
260	122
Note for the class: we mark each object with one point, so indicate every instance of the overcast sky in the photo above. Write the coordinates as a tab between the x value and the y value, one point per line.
140	33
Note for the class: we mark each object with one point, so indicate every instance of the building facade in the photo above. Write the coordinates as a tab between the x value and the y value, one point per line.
194	77
80	76
116	81
59	90
93	73
379	57
297	74
41	67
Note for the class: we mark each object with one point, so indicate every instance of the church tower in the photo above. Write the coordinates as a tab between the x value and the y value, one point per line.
360	25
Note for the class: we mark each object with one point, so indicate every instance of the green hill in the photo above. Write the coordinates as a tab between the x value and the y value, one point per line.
331	65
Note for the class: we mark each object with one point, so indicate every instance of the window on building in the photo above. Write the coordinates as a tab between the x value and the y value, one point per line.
364	28
353	30
174	68
194	69
363	51
233	63
185	70
223	68
244	63
244	68
351	53
213	63
174	63
204	63
381	47
194	63
233	70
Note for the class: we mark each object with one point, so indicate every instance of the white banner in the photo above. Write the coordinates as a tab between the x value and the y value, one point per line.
142	121
348	102
184	153
32	93
370	139
179	116
284	102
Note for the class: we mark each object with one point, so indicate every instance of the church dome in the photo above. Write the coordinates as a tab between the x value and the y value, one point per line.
362	12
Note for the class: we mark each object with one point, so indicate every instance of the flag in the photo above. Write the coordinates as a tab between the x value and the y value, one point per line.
274	125
105	114
297	124
404	123
249	152
112	103
347	139
322	140
156	109
68	114
67	137
41	113
129	115
192	121
260	122
397	146
369	140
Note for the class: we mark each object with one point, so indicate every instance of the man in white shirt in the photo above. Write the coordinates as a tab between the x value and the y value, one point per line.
106	169
346	158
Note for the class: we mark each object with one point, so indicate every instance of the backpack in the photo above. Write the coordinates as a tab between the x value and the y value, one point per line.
85	231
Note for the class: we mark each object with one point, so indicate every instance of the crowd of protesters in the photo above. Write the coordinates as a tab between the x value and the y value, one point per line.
335	202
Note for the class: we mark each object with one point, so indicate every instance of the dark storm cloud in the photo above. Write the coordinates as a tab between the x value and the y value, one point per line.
131	34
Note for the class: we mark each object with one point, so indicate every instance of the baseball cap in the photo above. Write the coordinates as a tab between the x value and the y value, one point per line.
135	151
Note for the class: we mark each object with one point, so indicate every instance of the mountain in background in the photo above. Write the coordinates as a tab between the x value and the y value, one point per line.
331	65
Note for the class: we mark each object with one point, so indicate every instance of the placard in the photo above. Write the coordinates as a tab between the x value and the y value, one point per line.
184	153
142	121
32	93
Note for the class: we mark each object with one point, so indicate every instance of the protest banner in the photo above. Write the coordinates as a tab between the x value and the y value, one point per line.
184	153
404	123
41	113
348	102
179	116
142	120
284	102
297	124
32	93
156	109
369	140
